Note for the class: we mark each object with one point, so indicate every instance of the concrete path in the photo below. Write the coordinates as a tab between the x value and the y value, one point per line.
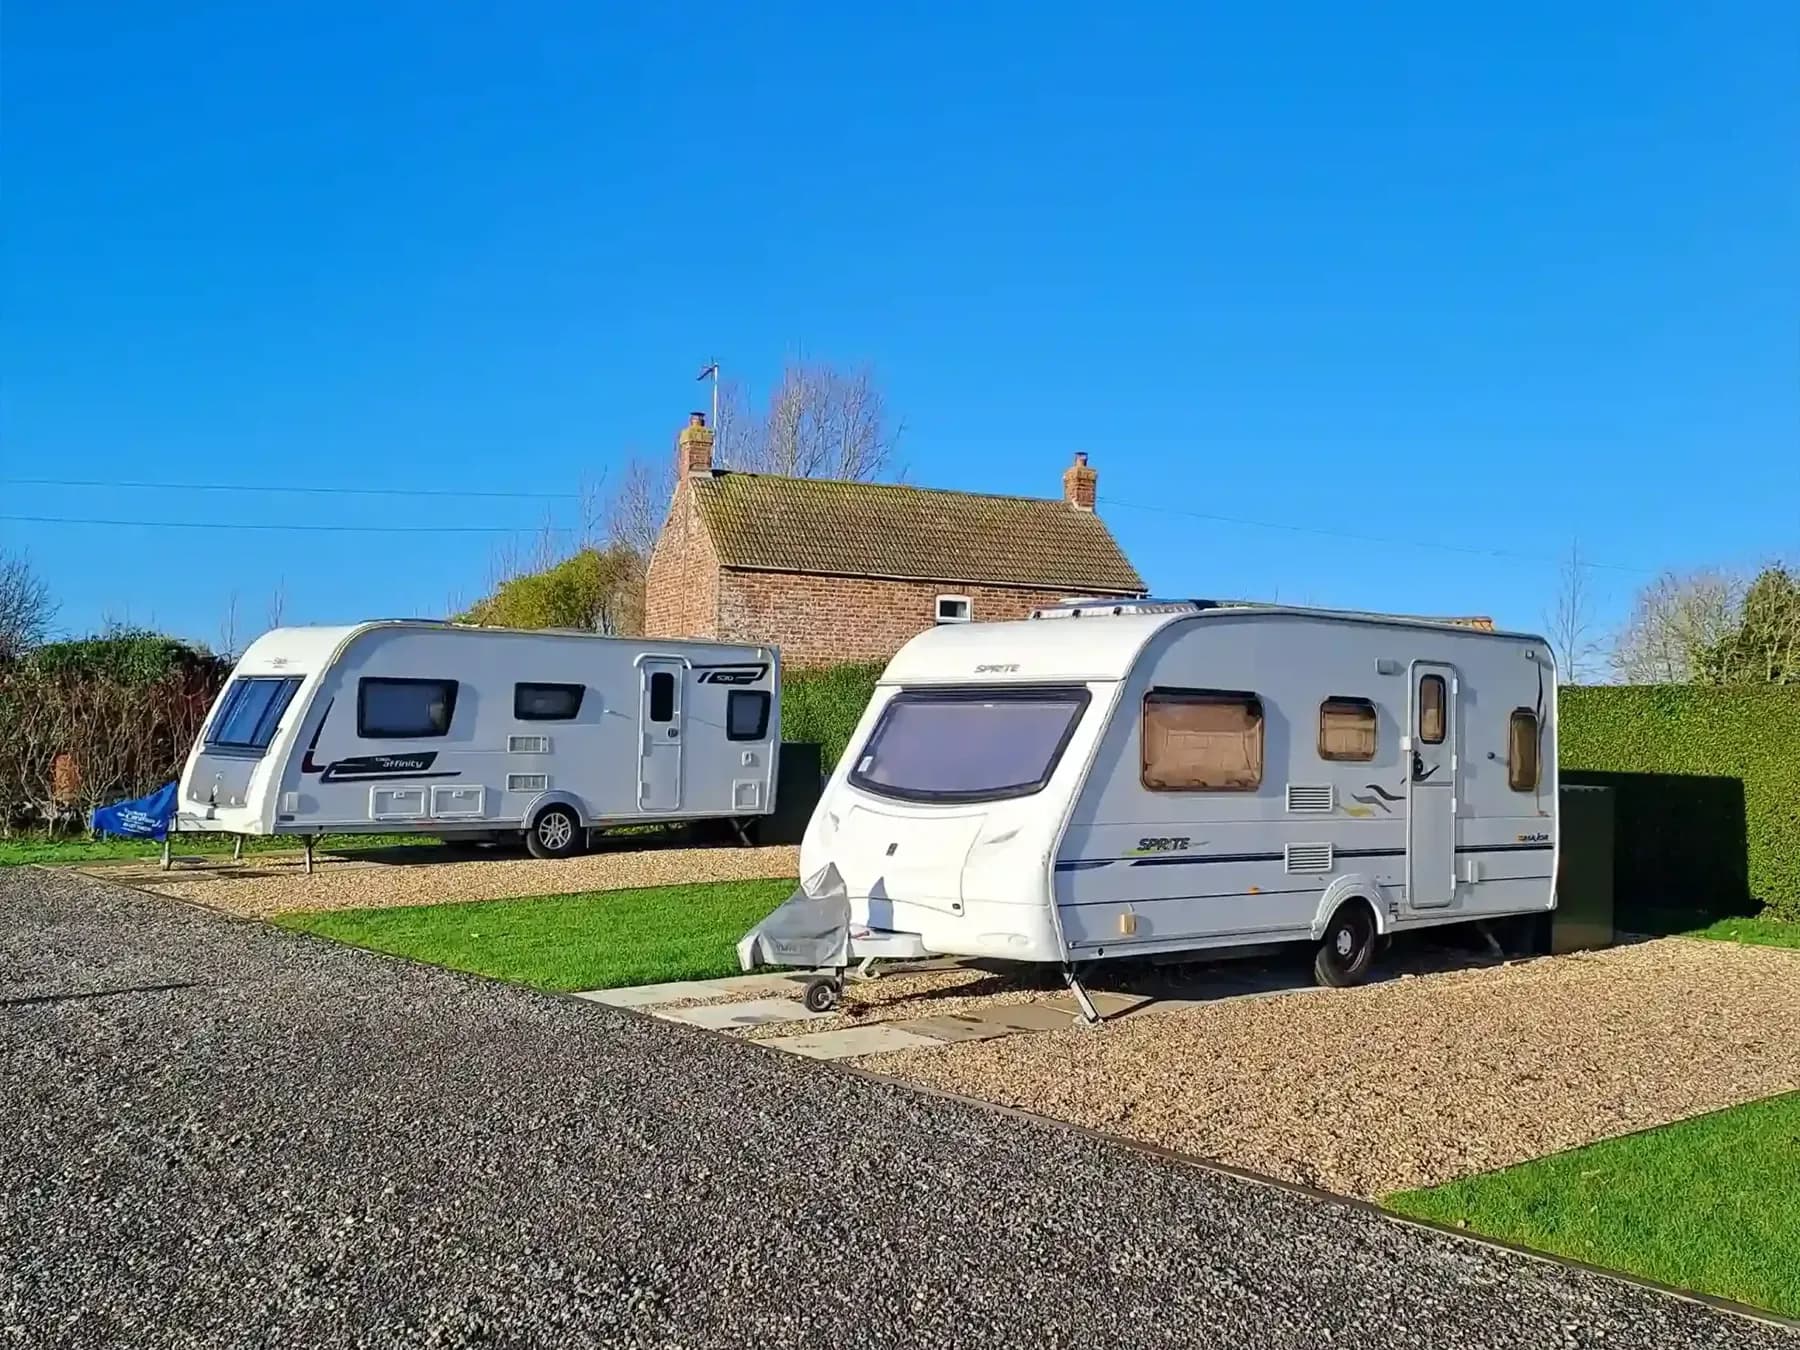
219	1134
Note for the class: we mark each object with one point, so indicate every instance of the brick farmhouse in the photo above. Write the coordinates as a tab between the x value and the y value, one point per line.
835	571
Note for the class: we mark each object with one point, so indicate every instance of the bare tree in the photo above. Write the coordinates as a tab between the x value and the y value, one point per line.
1676	622
278	603
228	629
821	422
26	608
1573	635
641	504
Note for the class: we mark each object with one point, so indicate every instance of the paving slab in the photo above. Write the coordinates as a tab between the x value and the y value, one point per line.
650	995
849	1042
760	1012
953	1028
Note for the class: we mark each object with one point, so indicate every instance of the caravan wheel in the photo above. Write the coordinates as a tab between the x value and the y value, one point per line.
1348	948
555	834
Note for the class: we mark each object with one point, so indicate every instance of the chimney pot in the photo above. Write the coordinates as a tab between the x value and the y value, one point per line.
1079	482
694	447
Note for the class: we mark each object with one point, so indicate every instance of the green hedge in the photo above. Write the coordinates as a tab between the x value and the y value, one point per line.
1680	752
823	705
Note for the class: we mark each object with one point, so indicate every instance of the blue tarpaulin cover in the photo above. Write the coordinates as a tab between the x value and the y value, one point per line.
143	818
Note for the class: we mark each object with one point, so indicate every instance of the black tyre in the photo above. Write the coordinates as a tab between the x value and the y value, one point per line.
556	833
1347	950
821	995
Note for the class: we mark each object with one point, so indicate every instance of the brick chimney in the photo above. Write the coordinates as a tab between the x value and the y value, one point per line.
1078	483
694	447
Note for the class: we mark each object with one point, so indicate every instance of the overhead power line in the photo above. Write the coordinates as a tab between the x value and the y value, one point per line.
1394	540
252	525
331	491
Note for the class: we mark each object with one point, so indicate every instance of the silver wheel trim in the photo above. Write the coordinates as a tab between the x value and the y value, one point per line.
555	830
1346	941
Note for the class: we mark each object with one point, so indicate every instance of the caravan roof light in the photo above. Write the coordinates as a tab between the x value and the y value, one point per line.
1107	605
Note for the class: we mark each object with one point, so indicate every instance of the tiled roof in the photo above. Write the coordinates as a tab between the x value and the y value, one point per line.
891	530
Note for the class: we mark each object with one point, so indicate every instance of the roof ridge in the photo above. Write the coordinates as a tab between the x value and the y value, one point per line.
876	483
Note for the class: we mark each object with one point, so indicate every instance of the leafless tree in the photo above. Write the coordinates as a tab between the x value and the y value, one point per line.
1573	634
26	608
641	503
1676	621
228	629
822	421
278	603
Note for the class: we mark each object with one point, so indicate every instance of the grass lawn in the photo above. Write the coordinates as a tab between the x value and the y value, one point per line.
23	849
595	940
1710	1204
1763	930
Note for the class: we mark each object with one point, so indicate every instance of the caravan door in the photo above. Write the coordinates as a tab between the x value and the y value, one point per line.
659	732
1431	786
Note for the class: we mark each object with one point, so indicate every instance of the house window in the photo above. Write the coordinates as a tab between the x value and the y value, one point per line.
746	715
1202	740
547	702
1433	695
1522	751
393	709
251	712
954	609
1347	729
662	697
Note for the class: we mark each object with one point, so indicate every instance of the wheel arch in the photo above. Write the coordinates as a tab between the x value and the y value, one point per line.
1354	886
545	800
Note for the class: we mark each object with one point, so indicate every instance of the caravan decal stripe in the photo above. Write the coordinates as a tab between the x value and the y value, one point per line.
1170	860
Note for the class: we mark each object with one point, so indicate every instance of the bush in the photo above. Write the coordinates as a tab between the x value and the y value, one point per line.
824	705
130	656
1747	733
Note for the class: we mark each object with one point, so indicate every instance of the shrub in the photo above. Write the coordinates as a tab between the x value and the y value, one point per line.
1750	733
824	704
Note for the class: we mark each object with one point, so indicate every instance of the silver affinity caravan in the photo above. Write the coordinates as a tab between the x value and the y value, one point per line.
451	730
1113	780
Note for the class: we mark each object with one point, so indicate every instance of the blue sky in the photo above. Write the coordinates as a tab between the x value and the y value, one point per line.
1484	282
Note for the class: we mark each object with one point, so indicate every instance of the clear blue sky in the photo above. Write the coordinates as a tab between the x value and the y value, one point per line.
1486	281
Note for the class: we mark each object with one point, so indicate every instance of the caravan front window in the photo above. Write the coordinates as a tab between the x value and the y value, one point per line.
250	712
968	745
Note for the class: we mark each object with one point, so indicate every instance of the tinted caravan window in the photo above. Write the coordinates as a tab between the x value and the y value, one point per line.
547	702
251	712
746	715
393	709
969	745
1202	740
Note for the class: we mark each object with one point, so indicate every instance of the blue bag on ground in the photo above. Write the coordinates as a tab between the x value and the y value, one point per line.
143	818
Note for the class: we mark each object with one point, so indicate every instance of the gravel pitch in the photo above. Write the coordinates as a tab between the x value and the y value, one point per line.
310	1145
1418	1080
258	887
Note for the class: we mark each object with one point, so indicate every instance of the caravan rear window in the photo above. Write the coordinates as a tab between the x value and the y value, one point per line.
251	712
968	745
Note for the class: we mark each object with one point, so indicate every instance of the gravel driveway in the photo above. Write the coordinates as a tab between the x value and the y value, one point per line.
1417	1080
259	887
294	1143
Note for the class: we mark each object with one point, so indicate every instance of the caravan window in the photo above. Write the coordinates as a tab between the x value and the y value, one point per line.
968	745
547	702
251	712
1522	751
1347	729
746	714
1202	740
394	709
662	696
1433	695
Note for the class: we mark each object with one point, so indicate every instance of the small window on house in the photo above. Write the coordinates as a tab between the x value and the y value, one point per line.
1347	729
954	609
1522	751
662	697
1202	740
392	709
1433	695
746	715
547	702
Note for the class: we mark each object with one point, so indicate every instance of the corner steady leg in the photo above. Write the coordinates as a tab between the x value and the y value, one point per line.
307	839
1089	1013
237	848
165	851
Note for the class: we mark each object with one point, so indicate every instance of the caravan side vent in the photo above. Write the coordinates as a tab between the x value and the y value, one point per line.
1309	857
1310	797
527	782
527	745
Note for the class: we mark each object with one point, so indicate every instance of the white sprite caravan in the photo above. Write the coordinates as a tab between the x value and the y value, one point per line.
1122	779
447	729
